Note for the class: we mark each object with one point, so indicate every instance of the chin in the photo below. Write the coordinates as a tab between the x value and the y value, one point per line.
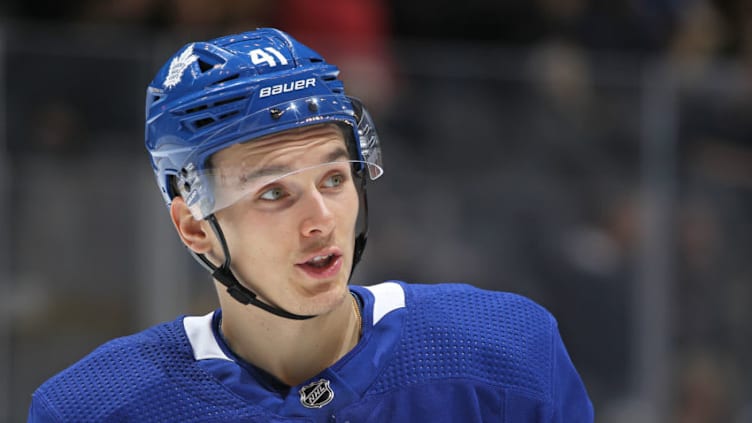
327	299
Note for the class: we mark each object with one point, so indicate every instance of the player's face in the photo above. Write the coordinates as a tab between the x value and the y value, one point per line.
291	240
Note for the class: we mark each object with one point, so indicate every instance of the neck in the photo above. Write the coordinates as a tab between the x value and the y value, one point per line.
291	350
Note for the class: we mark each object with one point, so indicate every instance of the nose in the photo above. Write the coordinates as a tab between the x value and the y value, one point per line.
318	218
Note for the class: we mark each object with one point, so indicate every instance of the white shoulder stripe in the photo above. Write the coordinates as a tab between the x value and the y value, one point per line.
388	296
201	337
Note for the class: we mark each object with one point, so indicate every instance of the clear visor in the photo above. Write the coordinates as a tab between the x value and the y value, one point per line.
215	189
209	190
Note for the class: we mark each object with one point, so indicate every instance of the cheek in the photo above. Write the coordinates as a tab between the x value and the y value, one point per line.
252	237
259	251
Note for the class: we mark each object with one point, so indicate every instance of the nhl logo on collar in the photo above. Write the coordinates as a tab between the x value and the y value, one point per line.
316	394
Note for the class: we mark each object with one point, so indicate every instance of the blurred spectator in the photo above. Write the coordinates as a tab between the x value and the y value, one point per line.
134	12
705	390
355	34
57	128
212	18
698	40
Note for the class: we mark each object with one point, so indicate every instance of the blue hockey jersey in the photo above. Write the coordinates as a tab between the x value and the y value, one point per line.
428	353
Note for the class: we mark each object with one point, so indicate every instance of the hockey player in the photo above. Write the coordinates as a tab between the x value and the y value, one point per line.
263	162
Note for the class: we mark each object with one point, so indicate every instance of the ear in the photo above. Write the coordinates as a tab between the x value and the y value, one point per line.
194	233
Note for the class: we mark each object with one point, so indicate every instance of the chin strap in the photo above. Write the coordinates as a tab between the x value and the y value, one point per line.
362	238
245	296
225	276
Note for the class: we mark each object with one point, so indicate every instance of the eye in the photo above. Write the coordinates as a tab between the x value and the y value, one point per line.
273	194
334	180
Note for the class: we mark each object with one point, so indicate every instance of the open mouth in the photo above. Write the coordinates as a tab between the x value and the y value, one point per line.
320	262
322	265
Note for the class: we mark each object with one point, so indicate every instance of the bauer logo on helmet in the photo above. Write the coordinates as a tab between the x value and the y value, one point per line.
287	87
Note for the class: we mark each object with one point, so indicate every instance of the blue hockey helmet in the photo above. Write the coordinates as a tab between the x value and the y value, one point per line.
211	95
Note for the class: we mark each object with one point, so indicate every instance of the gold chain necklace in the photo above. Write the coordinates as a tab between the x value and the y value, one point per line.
356	309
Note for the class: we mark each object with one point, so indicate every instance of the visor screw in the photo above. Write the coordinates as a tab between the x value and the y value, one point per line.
187	187
276	113
312	106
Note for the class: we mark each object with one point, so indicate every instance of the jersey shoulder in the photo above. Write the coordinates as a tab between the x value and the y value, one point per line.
495	313
457	331
145	374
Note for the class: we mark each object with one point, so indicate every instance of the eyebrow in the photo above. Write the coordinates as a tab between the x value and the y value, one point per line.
338	153
332	156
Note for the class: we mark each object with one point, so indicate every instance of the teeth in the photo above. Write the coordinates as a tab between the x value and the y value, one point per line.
319	259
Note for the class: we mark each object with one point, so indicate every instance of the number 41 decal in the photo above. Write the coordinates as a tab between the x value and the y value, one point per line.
259	56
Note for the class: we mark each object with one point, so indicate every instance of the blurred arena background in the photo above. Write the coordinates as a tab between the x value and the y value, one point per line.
594	155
